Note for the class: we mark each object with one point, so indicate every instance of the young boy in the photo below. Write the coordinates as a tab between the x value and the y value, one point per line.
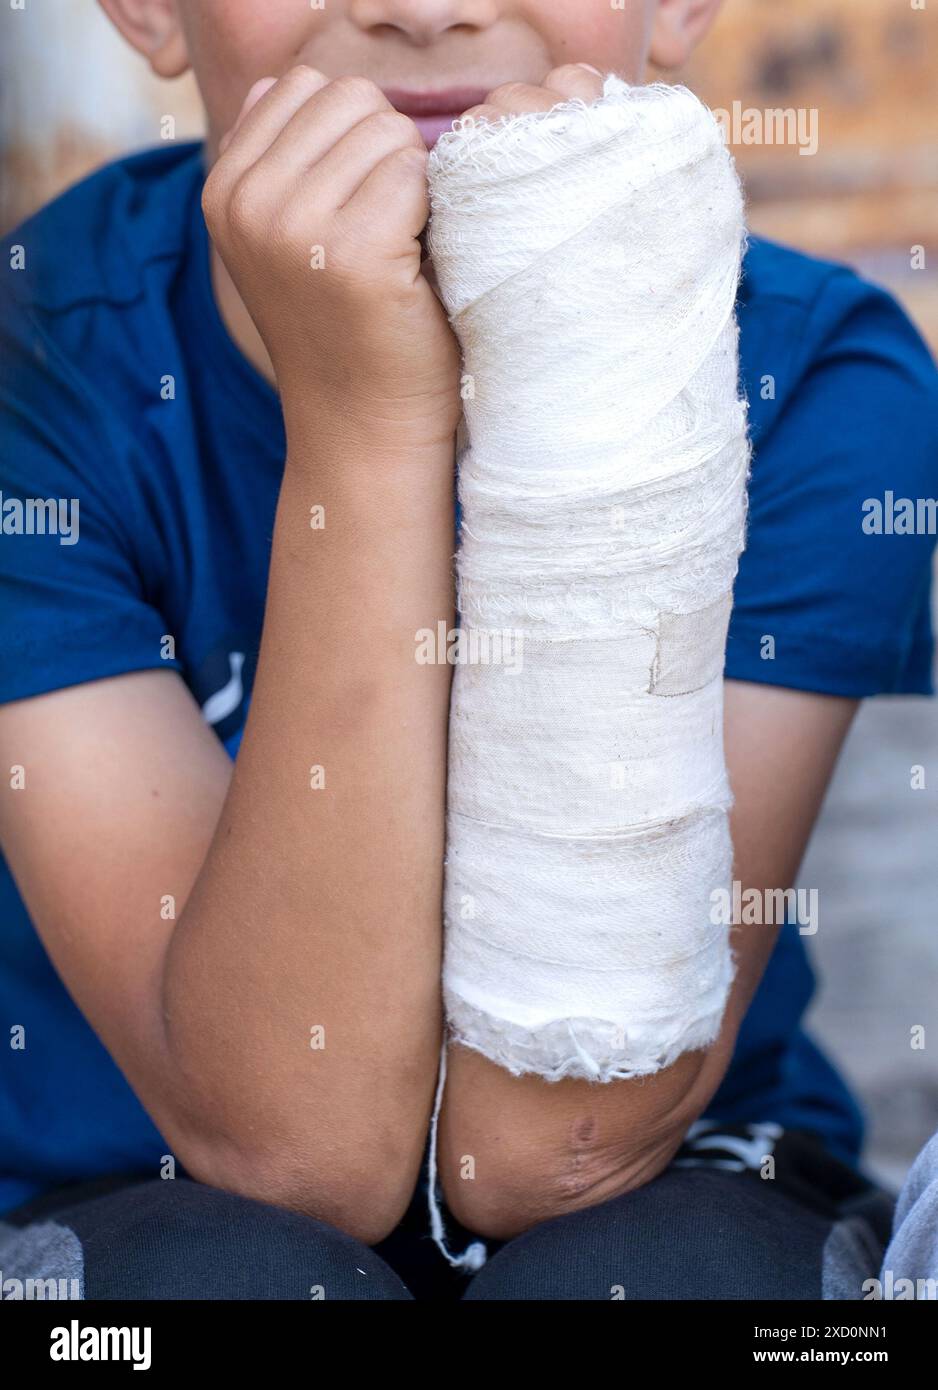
228	971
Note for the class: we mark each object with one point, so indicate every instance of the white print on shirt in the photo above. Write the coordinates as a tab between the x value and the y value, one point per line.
225	701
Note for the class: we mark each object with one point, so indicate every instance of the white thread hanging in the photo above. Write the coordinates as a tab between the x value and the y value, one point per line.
474	1256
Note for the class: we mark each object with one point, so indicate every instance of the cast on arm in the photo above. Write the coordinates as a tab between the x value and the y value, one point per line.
589	258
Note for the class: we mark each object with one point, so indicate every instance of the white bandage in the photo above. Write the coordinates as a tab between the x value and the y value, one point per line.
589	259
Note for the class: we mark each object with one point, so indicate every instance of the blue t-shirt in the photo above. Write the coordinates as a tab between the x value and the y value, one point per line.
120	387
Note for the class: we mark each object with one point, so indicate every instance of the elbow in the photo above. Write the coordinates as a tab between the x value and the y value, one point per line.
492	1211
500	1196
342	1154
503	1210
517	1152
507	1191
362	1195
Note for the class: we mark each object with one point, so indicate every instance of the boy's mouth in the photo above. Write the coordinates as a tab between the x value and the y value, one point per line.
434	112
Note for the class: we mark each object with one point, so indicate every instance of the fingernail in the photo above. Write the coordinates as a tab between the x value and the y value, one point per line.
259	89
589	68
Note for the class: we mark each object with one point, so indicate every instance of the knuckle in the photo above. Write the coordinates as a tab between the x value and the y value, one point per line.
412	154
211	199
408	159
569	72
215	198
393	125
303	77
358	91
290	227
509	92
245	208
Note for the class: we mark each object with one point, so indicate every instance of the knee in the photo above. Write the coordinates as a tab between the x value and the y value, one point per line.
182	1240
690	1234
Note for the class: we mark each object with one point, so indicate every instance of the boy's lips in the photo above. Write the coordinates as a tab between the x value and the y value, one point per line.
434	112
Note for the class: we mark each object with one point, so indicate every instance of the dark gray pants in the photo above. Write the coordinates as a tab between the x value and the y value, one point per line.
711	1227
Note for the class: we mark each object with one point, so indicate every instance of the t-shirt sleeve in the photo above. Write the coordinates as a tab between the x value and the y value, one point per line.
833	590
73	592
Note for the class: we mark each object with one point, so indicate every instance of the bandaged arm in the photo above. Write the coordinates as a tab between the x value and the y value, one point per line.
623	406
589	257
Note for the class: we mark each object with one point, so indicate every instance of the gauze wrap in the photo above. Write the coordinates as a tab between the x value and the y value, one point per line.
589	258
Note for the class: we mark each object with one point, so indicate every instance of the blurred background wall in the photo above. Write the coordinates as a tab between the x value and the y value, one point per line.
72	96
869	69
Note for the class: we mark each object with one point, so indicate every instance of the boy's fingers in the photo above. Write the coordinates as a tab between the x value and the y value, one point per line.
253	97
394	195
563	84
333	115
517	97
261	122
482	113
259	89
576	80
337	174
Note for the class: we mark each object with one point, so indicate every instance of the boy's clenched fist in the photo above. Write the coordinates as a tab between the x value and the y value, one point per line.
316	205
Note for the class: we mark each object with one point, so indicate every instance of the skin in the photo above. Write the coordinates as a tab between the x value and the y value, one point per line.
294	908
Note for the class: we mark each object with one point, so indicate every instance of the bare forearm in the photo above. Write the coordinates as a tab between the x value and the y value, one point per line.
302	983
